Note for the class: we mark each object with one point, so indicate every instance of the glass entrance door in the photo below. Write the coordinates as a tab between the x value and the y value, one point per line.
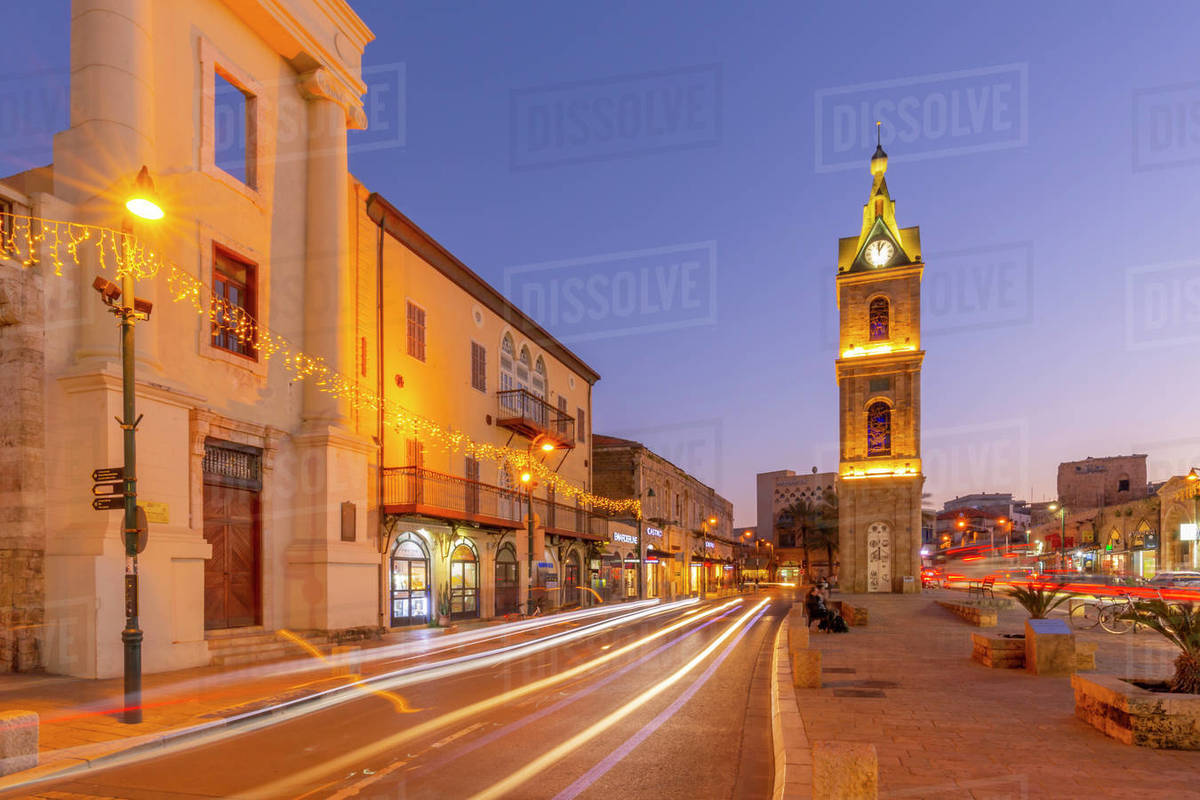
410	581
464	583
507	581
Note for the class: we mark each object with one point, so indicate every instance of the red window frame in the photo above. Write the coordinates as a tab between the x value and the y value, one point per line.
242	294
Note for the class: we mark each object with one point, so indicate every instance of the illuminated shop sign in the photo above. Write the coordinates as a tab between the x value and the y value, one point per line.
617	536
654	532
1189	532
710	546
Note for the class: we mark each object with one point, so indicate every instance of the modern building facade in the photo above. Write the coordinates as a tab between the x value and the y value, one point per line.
688	538
878	371
777	490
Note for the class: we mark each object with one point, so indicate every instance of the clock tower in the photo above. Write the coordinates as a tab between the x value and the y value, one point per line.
879	477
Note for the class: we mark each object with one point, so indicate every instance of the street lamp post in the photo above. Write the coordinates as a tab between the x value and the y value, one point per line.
530	485
1062	536
1193	478
142	203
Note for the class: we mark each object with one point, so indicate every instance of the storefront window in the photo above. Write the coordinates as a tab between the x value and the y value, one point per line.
464	582
410	581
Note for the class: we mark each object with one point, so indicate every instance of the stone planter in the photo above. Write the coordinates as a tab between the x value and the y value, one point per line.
998	652
1134	715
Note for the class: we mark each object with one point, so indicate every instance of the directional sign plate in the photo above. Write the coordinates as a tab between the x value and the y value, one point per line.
108	503
102	489
108	474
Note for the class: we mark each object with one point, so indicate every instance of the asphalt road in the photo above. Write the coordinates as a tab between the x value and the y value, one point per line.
662	707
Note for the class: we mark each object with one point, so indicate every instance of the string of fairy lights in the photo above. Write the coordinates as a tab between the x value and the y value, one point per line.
34	242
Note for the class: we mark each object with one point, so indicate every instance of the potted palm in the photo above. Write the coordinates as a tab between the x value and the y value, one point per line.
1039	599
1151	713
444	606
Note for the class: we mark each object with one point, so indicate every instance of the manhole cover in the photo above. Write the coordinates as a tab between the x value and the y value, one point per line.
839	670
857	693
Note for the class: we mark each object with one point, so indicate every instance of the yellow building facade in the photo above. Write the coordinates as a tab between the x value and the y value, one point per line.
878	369
277	499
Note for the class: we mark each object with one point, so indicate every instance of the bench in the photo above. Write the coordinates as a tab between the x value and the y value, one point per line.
980	617
854	615
982	587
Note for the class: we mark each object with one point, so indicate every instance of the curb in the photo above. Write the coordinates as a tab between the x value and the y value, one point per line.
793	754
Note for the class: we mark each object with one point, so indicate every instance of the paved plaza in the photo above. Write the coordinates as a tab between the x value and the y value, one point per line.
945	726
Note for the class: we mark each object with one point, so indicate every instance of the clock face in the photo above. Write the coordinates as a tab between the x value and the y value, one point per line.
879	252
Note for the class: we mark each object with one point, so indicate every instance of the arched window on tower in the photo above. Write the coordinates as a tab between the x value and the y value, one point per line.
879	429
879	316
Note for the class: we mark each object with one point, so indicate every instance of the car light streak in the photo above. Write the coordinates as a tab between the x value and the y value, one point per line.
611	760
399	703
227	728
539	714
285	787
547	759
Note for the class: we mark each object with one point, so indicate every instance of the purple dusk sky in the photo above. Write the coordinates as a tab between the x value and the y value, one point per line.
663	186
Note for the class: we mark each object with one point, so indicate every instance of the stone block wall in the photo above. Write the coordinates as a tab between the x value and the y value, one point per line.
22	472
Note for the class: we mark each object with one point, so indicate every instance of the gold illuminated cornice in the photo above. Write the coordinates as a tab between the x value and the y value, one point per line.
895	468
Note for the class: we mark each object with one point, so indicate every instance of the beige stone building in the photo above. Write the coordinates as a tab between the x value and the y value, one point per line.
879	386
688	529
1096	482
276	499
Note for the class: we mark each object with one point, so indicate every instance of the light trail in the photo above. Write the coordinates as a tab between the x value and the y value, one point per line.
261	718
285	787
512	727
630	744
548	759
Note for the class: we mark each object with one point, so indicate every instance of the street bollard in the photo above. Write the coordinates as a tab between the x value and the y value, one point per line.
18	741
844	771
806	669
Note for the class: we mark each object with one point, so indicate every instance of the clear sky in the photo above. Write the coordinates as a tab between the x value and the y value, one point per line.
663	184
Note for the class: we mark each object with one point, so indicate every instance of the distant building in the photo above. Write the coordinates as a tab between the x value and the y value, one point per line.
778	490
1001	504
688	534
1097	482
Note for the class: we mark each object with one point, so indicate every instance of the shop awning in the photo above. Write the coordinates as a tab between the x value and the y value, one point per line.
655	552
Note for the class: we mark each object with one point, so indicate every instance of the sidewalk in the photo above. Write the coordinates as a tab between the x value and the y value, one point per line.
79	721
946	727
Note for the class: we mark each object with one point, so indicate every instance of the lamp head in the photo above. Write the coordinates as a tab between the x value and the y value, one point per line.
144	200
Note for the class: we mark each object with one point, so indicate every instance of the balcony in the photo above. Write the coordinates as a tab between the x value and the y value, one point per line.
570	521
531	416
412	490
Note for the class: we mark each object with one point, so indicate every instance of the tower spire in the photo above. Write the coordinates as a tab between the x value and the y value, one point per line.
879	159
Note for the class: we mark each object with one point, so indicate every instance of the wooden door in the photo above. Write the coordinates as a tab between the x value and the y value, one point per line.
232	596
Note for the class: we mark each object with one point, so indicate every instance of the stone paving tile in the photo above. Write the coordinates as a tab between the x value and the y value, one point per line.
952	728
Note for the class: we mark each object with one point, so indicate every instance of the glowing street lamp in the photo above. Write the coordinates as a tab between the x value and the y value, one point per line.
144	200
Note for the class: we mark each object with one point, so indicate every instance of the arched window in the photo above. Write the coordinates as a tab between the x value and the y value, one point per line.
539	378
507	380
523	364
879	429
879	319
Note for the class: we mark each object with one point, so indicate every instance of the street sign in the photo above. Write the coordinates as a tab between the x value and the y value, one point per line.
108	503
102	489
108	474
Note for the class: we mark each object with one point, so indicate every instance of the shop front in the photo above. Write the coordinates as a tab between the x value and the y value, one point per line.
1143	551
410	580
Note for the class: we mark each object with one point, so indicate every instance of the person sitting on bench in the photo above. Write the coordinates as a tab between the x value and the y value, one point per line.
814	606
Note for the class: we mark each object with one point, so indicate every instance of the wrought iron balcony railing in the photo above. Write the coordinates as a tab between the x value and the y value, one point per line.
530	415
413	490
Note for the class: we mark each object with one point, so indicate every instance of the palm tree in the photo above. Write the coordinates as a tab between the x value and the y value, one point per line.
825	529
805	518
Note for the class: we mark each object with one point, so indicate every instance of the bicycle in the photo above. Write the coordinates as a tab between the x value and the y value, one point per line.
1085	615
